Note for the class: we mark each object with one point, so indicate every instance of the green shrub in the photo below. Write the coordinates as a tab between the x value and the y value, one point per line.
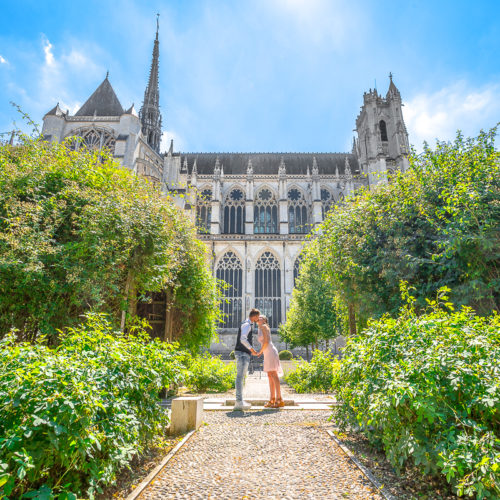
209	373
232	355
427	388
316	375
286	355
72	416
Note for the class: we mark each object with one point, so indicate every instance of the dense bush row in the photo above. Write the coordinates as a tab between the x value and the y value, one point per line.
78	232
314	376
72	416
206	373
427	389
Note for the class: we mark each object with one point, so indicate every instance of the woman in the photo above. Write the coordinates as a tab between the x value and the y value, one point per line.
272	365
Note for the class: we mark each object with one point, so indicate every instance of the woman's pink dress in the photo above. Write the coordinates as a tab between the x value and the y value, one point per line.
271	356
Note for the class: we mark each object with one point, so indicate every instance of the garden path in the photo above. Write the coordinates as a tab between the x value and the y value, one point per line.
263	454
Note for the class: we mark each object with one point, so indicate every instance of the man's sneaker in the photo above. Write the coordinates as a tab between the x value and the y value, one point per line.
241	405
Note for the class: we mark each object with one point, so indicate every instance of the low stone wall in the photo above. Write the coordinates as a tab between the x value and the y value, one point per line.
227	341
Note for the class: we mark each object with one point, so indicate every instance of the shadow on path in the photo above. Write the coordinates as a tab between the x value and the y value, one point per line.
246	414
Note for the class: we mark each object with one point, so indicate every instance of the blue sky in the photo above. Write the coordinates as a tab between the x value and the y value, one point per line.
259	75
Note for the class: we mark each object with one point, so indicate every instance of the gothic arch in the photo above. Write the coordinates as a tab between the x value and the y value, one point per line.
268	287
226	249
327	201
265	211
383	130
298	213
234	211
229	269
204	210
296	267
93	138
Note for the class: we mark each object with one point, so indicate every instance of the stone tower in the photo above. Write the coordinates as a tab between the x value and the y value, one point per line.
382	144
150	111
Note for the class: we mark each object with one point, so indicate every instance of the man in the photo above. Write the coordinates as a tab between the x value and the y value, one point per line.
242	352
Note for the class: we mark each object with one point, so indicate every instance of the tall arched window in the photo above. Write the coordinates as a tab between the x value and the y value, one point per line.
297	212
94	139
234	212
230	270
383	131
204	211
265	218
296	269
268	288
326	202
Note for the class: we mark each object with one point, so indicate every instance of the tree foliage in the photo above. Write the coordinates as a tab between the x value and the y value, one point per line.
427	389
436	225
79	233
314	314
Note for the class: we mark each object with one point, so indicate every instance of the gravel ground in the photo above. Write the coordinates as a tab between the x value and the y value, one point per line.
409	485
261	455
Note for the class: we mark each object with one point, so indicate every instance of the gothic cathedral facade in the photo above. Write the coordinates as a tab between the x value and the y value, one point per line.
253	210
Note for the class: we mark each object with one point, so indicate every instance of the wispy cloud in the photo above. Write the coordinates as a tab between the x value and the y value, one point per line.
3	60
323	23
58	74
440	114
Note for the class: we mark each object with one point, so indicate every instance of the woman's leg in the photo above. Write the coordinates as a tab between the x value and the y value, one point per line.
271	386
277	387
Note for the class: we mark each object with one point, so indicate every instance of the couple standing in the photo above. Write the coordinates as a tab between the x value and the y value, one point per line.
244	349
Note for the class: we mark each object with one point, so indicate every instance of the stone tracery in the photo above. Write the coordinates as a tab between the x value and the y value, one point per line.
265	212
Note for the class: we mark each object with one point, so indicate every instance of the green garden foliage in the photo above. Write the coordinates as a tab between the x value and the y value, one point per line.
314	376
207	373
285	355
436	225
80	233
427	389
72	416
314	314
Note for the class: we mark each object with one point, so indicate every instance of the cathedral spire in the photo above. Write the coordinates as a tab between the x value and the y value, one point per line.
393	90
150	112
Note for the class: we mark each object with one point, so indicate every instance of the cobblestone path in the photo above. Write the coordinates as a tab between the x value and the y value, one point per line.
261	455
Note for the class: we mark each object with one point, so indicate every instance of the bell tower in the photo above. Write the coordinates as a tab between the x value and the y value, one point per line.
382	145
150	111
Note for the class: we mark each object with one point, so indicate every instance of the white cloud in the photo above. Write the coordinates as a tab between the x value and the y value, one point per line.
3	60
323	23
47	49
166	137
439	115
59	72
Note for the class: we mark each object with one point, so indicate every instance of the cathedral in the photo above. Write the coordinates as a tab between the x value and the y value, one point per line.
253	210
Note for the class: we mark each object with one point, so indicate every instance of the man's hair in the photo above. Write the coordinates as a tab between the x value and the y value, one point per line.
254	312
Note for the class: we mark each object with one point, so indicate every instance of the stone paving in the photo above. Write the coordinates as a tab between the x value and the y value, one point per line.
271	454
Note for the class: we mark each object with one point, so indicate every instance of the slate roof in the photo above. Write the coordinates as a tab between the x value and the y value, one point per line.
268	163
103	102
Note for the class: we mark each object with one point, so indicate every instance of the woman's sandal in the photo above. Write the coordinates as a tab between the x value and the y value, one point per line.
279	403
270	404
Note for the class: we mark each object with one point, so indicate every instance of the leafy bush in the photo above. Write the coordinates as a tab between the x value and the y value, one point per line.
80	232
72	416
232	355
209	373
427	389
286	355
316	375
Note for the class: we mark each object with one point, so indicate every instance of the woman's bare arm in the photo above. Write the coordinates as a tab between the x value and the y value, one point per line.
266	334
